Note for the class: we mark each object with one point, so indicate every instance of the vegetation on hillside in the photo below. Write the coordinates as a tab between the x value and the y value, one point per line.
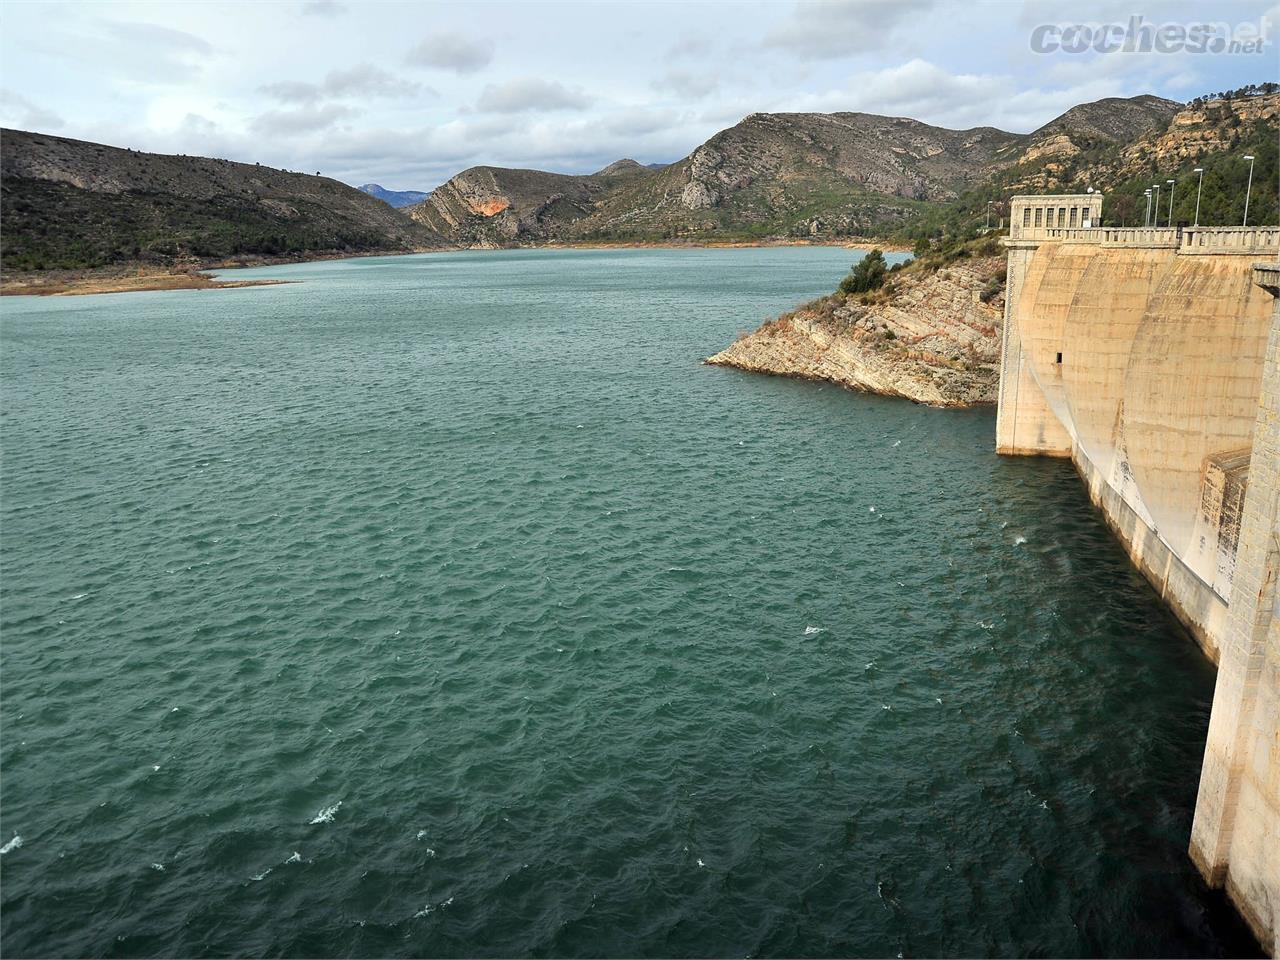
72	205
54	226
1122	172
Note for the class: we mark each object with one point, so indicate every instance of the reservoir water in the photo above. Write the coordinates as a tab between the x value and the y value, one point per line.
445	605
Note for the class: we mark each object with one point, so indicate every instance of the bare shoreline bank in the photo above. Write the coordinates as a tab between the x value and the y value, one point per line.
133	278
62	286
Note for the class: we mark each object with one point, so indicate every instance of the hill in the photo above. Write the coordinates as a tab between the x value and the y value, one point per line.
931	330
395	198
69	204
772	174
1215	134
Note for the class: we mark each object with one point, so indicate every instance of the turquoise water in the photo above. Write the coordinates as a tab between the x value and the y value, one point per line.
446	605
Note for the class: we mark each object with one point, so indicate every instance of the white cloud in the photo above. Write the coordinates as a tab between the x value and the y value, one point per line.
17	111
216	78
924	91
451	51
530	94
826	29
323	8
687	85
300	120
363	81
168	55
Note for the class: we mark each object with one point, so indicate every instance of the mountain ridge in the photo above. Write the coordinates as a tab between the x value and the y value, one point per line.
821	175
73	204
394	198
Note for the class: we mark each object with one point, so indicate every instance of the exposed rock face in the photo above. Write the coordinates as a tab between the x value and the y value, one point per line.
932	340
1198	130
777	174
1113	118
486	206
1157	132
696	195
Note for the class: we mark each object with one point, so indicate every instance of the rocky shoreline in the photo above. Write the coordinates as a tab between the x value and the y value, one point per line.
931	335
69	286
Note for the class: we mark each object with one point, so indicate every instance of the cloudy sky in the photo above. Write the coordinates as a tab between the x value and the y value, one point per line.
407	94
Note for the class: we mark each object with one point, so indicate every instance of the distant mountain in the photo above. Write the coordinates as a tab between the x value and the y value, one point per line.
397	198
71	204
772	174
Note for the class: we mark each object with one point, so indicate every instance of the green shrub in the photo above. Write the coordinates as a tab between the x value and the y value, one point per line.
867	274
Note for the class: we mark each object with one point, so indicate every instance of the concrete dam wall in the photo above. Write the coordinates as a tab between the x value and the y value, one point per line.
1151	358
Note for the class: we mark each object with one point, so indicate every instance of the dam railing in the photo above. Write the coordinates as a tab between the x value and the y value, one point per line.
1116	236
1252	241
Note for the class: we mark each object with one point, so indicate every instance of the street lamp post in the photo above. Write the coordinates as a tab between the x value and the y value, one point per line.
1155	208
1247	190
1146	220
1199	187
1169	222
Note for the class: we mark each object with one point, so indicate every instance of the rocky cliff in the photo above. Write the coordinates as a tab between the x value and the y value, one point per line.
773	174
495	206
1160	137
931	335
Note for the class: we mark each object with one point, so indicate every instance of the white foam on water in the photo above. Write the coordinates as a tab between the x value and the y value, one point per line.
700	862
155	767
1019	541
327	814
13	844
420	834
262	875
872	510
431	908
79	596
296	858
897	442
810	631
158	866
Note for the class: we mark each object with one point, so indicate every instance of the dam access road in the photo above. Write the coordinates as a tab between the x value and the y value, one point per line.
1151	358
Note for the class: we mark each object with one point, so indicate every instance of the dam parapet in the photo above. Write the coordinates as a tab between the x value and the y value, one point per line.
1151	358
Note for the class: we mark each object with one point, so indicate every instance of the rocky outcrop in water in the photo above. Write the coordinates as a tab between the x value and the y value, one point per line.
931	335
